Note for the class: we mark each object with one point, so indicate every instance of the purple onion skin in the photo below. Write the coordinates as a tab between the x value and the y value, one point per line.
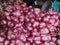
22	25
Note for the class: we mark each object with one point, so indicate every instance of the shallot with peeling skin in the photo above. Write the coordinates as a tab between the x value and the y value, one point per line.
22	25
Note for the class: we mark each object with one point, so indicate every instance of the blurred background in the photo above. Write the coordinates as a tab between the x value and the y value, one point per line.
44	5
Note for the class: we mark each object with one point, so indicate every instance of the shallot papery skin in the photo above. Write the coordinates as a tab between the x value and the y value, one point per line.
22	25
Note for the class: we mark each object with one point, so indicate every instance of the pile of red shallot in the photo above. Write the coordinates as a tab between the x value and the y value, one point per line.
22	25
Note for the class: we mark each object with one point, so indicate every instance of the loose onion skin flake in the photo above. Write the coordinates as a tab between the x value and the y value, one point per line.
22	25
